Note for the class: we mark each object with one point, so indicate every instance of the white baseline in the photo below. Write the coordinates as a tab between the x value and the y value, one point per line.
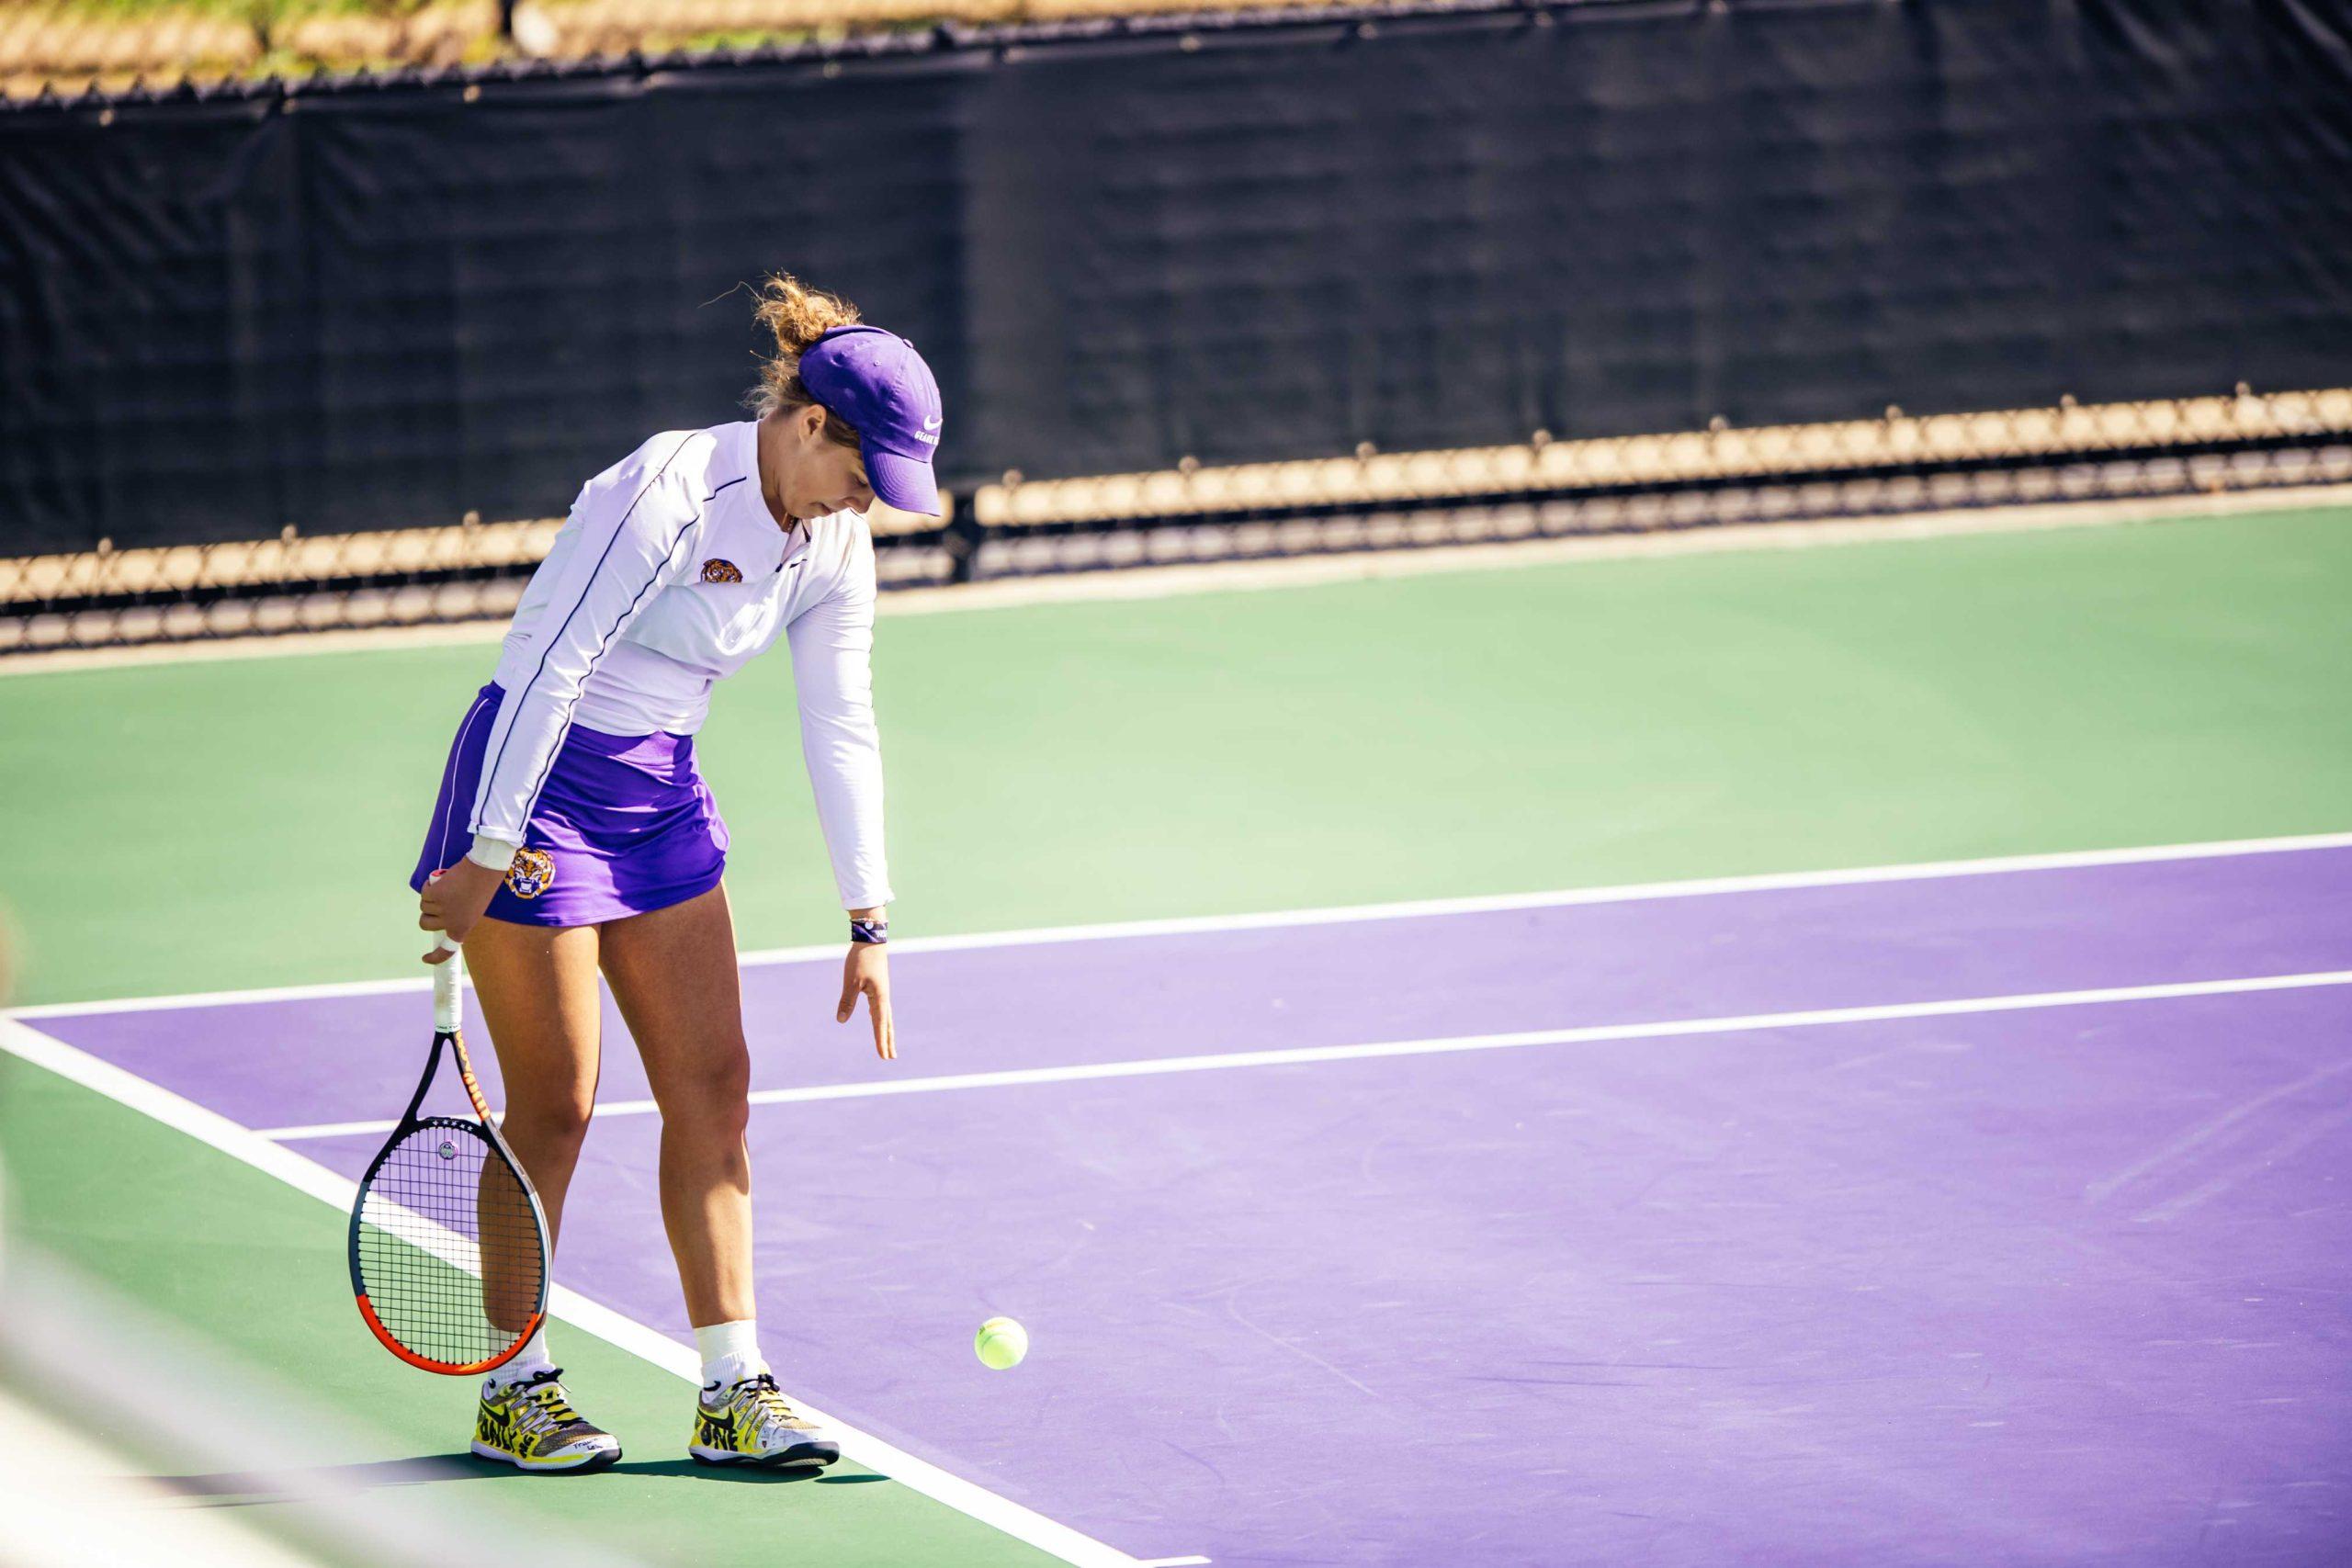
210	1128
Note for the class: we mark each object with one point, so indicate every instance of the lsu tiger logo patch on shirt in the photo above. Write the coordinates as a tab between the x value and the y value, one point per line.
530	874
717	570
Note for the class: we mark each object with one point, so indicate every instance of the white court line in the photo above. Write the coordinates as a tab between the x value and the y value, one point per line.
1697	887
1291	1056
217	1131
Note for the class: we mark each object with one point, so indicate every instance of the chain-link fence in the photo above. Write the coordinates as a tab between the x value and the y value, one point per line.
1540	489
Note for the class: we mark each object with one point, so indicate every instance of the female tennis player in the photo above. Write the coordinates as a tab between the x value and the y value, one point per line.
574	834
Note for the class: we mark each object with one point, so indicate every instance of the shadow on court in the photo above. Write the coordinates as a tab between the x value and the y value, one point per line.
236	1488
244	1488
688	1469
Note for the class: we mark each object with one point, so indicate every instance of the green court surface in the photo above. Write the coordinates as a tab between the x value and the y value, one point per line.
251	822
206	826
254	1267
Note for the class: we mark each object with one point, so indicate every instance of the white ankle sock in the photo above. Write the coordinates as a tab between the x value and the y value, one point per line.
731	1352
531	1359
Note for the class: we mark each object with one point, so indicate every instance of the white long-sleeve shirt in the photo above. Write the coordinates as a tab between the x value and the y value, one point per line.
670	575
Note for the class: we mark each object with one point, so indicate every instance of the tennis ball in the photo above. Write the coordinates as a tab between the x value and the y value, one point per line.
1001	1343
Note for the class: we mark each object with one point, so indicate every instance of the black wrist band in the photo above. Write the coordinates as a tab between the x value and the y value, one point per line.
874	933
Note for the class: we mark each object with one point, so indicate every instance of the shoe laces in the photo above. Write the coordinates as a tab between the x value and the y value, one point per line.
542	1404
770	1409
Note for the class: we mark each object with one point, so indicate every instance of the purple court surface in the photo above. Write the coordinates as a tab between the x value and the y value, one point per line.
2037	1282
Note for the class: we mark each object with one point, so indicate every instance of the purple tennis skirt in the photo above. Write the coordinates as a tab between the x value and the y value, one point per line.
624	825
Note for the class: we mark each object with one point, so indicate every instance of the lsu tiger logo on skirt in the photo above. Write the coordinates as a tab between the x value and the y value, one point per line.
530	874
717	570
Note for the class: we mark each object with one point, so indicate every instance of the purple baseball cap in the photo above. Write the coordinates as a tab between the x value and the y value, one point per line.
879	383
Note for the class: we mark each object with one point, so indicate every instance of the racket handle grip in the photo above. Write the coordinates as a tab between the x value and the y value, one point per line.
448	982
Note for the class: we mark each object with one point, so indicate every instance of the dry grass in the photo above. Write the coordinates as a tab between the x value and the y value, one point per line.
68	45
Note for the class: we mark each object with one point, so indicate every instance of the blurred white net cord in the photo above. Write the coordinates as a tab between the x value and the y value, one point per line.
90	1476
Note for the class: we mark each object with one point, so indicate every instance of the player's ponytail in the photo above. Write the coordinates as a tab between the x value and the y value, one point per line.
797	315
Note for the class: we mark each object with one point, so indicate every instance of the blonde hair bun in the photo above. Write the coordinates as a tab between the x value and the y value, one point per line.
797	315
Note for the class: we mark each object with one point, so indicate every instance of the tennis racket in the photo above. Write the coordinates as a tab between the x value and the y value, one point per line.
448	1243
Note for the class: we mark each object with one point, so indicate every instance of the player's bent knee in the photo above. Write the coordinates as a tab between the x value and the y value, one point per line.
713	1104
555	1123
723	1109
739	1112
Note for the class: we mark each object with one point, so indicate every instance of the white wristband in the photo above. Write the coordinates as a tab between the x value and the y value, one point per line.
496	854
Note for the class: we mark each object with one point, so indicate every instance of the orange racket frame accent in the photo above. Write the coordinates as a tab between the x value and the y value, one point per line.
447	1369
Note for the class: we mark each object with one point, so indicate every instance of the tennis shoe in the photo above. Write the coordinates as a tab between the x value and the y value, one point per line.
530	1424
752	1423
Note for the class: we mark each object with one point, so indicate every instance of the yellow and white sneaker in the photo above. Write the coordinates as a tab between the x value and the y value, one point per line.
752	1423
530	1425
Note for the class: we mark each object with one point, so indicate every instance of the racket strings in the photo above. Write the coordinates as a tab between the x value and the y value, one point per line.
450	1252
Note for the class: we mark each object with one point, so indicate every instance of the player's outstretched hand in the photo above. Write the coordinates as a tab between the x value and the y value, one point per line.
453	899
868	971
